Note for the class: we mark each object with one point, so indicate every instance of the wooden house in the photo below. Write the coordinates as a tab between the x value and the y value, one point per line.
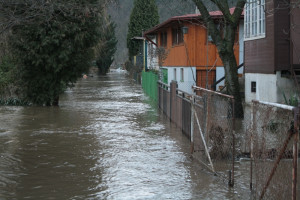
186	52
272	49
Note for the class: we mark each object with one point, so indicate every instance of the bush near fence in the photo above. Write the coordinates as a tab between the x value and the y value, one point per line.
149	84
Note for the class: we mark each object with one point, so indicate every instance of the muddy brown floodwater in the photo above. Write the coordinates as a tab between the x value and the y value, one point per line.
106	140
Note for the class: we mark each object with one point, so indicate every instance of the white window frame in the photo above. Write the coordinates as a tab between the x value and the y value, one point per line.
175	73
255	20
181	74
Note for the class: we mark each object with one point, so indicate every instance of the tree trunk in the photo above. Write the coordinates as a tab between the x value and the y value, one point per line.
232	82
55	101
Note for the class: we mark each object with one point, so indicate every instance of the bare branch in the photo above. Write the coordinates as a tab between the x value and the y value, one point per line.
215	33
238	11
224	8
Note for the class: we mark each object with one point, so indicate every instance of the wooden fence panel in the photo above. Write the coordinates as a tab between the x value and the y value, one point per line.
186	117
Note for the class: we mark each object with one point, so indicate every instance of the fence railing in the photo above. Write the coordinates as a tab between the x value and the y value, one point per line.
176	105
267	138
274	150
213	133
164	98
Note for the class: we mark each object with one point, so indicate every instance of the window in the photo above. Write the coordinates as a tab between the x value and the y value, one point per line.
163	39
253	86
174	71
205	79
255	23
181	74
177	36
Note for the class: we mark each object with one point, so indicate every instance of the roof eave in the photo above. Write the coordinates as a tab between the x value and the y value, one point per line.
158	27
163	25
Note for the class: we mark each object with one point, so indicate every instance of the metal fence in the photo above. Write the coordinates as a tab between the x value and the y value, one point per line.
176	105
164	98
267	139
274	151
213	131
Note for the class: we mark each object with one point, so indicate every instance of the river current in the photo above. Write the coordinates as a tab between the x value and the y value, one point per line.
106	140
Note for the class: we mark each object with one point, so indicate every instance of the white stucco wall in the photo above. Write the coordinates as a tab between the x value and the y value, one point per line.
189	78
269	87
220	72
286	86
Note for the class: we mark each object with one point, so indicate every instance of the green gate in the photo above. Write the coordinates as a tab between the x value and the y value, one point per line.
149	84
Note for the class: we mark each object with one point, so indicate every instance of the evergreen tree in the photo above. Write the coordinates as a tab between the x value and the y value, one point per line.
144	16
107	46
54	51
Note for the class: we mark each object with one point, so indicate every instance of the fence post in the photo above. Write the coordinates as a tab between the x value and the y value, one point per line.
158	94
231	181
207	118
173	87
192	123
253	128
295	151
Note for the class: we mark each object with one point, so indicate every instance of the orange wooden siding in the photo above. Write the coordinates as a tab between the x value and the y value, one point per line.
194	51
173	51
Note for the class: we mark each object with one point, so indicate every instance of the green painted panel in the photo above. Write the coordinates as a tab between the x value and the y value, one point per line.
149	84
164	76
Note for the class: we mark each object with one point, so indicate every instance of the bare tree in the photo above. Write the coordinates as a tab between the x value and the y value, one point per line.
225	43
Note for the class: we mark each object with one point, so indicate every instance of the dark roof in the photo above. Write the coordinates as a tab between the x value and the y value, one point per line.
215	14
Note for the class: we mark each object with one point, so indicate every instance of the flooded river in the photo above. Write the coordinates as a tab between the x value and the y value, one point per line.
106	140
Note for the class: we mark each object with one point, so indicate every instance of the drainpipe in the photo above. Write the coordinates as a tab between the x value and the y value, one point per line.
291	45
146	55
134	60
